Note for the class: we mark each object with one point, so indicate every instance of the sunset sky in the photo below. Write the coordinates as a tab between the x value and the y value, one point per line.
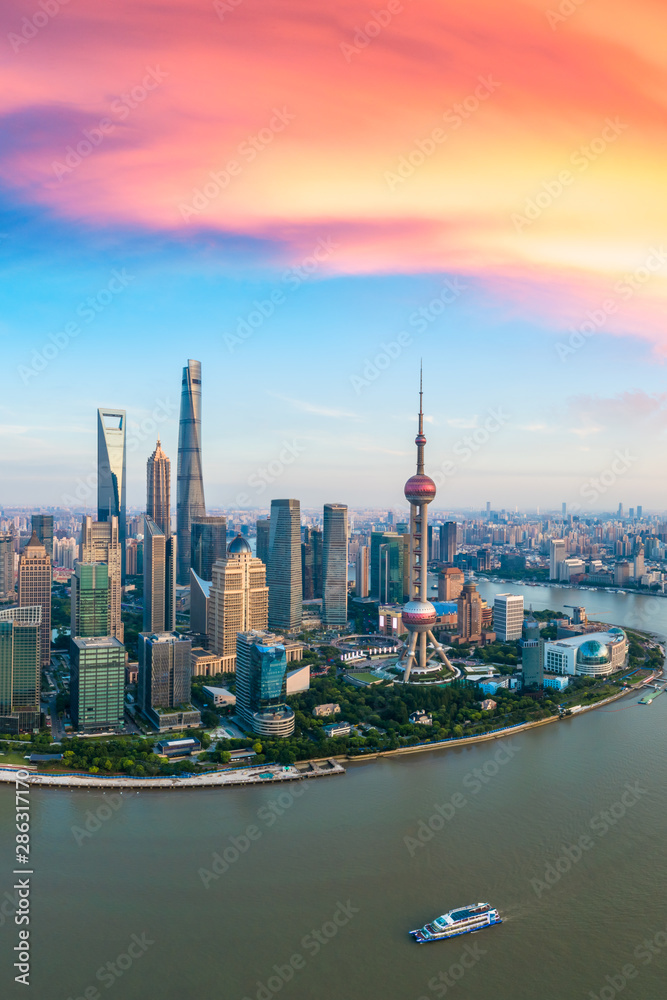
289	191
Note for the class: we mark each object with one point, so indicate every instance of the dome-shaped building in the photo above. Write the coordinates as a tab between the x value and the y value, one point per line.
593	658
238	545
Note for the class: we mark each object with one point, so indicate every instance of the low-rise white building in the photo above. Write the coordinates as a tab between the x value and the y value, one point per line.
594	654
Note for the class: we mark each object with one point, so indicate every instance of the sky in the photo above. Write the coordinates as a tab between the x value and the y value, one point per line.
311	197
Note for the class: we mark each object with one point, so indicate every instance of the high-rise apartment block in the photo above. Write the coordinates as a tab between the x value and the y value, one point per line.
238	600
6	566
158	489
261	684
111	473
159	579
448	532
90	610
35	575
334	566
100	543
284	568
42	525
190	480
20	671
469	613
97	684
263	528
362	574
165	673
508	617
208	543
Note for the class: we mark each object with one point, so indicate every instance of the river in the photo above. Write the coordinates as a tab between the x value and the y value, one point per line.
563	828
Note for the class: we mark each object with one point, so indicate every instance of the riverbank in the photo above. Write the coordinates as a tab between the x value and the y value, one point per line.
274	773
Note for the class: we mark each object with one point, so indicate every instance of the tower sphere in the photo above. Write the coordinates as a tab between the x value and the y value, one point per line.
420	489
419	616
420	439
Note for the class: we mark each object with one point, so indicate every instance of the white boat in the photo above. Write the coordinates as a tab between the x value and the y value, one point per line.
463	920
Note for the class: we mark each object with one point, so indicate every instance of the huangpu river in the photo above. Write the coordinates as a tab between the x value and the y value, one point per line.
309	891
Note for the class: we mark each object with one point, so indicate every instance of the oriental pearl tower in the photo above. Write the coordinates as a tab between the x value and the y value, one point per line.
419	615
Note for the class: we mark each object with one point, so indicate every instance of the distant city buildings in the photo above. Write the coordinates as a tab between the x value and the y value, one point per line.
190	480
558	553
20	668
334	566
284	568
34	588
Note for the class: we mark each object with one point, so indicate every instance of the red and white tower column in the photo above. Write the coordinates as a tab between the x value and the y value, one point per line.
419	615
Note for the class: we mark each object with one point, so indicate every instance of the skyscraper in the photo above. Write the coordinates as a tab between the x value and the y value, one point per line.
42	525
261	684
111	473
262	547
448	542
20	672
208	543
159	578
469	612
35	588
163	687
90	613
284	568
158	489
532	653
6	566
387	559
190	481
238	600
97	683
508	617
558	553
361	578
419	615
334	566
100	543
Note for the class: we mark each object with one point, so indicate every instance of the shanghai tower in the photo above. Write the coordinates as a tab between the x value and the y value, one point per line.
190	484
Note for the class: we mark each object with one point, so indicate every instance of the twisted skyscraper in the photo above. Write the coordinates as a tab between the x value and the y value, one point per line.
190	483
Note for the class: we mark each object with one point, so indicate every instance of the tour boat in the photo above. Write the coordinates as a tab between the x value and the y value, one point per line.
463	920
